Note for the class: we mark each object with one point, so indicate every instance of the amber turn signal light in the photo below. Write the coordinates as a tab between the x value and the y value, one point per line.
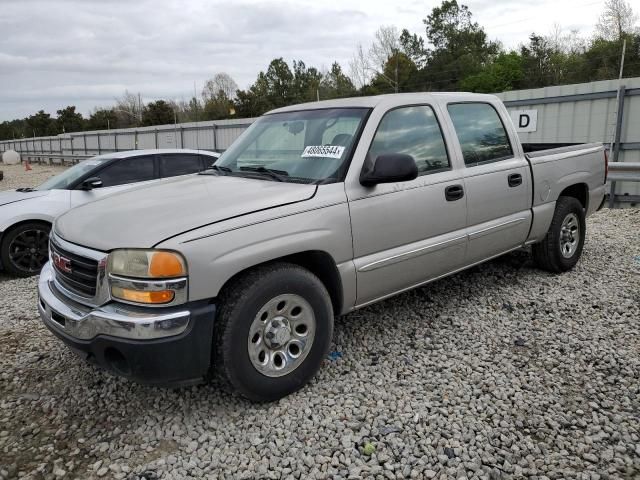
140	296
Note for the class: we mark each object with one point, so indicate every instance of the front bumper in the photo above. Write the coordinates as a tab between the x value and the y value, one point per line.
162	346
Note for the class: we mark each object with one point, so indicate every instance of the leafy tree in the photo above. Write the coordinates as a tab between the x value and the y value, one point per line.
157	113
217	107
398	74
69	120
460	46
40	124
602	59
413	47
305	83
335	84
504	73
102	119
12	129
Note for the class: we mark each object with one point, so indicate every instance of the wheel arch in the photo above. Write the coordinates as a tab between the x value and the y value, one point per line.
318	262
10	227
579	191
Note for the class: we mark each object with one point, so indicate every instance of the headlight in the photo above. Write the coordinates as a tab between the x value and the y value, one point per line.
147	264
150	277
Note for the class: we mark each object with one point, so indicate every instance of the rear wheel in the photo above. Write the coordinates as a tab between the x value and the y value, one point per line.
274	329
562	246
25	248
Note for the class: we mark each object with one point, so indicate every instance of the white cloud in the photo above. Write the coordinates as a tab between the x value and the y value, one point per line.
86	52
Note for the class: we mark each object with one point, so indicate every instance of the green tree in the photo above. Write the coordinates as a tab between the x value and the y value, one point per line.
40	124
12	129
602	58
399	71
69	120
460	46
413	47
504	73
157	113
102	119
335	84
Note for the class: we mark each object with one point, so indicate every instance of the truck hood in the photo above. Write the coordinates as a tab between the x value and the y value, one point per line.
13	196
145	216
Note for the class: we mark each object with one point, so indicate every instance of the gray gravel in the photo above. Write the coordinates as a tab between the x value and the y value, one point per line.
499	372
15	176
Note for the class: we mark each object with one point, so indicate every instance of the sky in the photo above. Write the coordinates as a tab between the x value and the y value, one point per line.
86	53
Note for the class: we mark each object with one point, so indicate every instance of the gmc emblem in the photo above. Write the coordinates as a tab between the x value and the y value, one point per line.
63	264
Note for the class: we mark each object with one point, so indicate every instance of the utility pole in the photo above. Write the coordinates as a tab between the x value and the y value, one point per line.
396	82
615	137
195	105
624	48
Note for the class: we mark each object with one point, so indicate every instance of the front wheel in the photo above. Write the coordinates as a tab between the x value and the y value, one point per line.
25	248
274	329
562	246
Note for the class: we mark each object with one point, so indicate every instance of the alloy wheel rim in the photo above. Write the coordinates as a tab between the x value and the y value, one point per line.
29	250
569	235
281	335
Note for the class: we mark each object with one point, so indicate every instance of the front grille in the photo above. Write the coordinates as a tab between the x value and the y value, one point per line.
83	275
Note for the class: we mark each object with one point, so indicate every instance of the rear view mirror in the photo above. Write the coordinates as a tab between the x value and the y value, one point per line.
91	183
295	127
389	168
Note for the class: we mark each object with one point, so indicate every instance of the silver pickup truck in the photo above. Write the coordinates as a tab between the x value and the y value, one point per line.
315	211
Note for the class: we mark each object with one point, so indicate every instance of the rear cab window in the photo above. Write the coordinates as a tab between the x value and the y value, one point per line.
482	135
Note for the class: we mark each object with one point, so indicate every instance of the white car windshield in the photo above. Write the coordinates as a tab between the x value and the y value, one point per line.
308	146
66	178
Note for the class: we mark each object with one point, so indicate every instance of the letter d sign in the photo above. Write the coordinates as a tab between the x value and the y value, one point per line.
525	120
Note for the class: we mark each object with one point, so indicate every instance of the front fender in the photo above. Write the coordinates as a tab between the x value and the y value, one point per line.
215	259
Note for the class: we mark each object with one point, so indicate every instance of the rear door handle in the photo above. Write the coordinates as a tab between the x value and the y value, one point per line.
515	179
453	193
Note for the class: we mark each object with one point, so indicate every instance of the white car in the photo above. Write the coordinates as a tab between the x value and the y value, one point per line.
26	214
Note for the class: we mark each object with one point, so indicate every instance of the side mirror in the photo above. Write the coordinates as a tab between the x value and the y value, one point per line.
91	183
389	168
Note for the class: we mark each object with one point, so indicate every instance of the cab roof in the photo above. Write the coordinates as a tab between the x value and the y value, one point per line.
373	101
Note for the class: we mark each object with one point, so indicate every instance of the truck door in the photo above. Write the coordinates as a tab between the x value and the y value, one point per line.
407	233
497	181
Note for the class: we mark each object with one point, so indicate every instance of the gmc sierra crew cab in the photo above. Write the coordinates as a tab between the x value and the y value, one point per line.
315	211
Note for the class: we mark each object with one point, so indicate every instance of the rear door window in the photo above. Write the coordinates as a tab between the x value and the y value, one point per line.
173	164
481	133
128	170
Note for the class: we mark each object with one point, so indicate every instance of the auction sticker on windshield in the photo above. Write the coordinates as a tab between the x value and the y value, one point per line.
327	151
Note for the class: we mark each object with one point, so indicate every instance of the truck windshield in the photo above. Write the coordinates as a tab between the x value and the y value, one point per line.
309	146
66	178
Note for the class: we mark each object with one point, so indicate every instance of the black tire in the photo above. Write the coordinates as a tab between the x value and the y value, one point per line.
25	248
239	307
548	254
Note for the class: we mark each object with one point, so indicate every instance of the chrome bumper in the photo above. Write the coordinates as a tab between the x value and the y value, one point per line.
84	323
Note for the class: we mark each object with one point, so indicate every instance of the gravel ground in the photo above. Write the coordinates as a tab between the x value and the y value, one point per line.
499	372
15	176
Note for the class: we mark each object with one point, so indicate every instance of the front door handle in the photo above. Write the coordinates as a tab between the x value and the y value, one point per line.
453	193
515	179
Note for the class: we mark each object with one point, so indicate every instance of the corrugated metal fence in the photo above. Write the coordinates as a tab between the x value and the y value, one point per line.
580	113
605	111
212	135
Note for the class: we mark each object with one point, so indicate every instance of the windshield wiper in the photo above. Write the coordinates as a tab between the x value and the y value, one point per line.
275	174
218	168
25	189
